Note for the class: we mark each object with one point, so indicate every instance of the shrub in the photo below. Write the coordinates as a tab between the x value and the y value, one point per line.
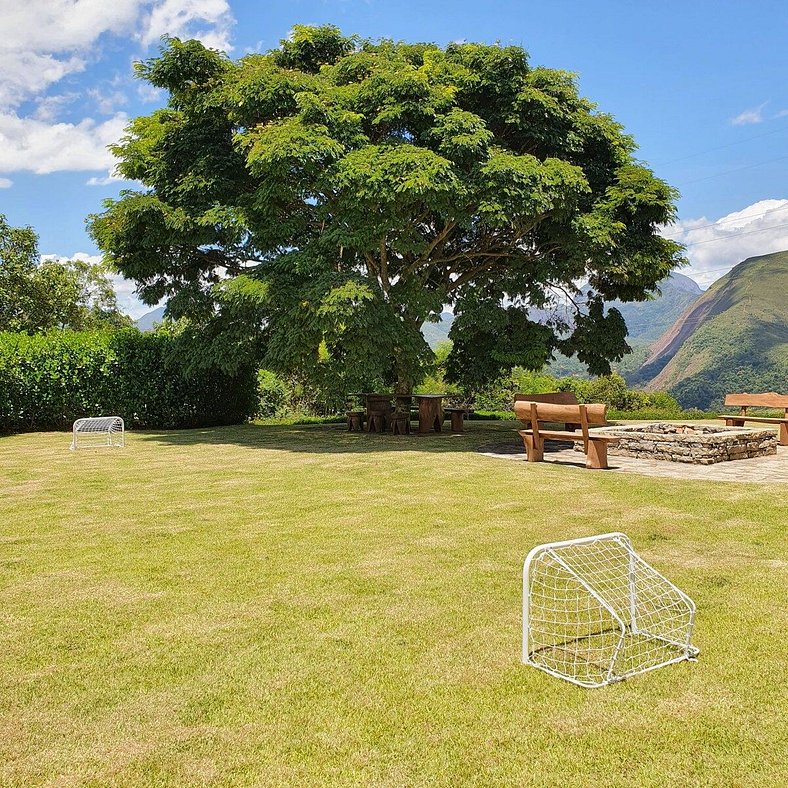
613	390
273	395
49	380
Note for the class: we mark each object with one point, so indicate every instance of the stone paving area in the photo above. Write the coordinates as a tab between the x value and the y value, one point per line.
756	470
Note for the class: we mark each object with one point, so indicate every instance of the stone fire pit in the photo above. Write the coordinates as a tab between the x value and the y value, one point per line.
699	444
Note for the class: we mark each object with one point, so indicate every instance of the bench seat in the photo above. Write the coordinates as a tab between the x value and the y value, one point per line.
770	400
764	419
577	437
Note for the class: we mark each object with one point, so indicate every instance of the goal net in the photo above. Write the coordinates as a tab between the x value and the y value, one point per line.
594	612
98	431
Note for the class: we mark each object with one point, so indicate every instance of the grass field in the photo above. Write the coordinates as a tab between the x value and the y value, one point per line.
304	606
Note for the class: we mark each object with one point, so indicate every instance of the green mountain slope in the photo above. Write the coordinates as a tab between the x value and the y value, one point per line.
734	338
648	320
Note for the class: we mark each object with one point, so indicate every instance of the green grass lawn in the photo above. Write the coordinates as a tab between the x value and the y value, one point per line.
268	605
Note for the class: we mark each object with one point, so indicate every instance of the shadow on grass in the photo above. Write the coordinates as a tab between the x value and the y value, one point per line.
334	438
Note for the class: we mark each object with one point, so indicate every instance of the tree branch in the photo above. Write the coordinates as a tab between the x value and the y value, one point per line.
384	267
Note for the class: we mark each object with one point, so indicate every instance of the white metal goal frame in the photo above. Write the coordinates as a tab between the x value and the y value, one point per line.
594	612
98	431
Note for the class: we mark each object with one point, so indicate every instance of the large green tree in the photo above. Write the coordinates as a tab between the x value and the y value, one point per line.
325	199
38	295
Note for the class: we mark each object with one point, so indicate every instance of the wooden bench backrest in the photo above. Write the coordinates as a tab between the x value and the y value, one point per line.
769	400
566	414
555	397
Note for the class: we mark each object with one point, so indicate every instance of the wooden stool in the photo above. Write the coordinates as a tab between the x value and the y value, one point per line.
457	419
376	422
355	420
400	424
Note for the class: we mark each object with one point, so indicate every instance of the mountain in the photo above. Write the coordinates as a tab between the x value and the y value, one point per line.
435	333
734	338
149	320
646	320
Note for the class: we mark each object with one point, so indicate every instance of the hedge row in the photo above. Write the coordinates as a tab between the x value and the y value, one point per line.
49	380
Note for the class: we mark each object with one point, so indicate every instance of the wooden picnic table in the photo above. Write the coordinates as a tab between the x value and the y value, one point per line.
379	410
430	412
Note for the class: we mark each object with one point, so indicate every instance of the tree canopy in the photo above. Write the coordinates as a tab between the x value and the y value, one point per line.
319	202
39	295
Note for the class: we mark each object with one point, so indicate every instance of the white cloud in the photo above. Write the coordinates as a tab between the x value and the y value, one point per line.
714	247
125	290
149	94
53	38
5	183
50	39
210	21
109	102
750	116
49	107
126	293
36	146
108	180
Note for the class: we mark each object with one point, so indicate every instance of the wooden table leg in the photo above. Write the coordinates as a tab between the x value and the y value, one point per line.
783	439
400	425
430	416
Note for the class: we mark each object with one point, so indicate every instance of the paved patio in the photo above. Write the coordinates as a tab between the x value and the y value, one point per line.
758	470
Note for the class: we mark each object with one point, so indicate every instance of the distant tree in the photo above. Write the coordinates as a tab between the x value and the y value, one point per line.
37	296
328	197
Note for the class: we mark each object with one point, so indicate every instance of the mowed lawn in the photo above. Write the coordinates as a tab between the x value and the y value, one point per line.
304	606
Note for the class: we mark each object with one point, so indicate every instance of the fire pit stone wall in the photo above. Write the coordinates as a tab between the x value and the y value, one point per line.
698	444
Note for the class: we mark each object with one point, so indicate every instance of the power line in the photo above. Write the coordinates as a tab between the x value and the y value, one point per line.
736	235
736	219
721	147
736	169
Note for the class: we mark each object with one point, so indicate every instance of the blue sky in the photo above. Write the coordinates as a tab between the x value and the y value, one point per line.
700	85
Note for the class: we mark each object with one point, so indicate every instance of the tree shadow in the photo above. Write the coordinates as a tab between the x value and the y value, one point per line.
335	439
514	450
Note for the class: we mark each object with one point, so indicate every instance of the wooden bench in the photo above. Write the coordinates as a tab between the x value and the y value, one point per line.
553	398
770	400
594	446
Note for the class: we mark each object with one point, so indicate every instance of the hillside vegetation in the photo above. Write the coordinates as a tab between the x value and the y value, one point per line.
648	320
733	338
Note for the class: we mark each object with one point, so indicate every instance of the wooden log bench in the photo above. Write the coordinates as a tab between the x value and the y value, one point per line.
594	446
770	400
553	398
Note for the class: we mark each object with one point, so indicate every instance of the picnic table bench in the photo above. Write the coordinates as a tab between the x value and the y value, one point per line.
770	400
457	416
594	446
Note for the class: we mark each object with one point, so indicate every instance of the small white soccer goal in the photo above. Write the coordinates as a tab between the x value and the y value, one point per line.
594	612
98	431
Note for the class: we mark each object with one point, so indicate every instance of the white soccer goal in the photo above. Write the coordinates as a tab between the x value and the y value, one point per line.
98	431
594	612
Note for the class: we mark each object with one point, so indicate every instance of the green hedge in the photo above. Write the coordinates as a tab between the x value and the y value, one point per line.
49	380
